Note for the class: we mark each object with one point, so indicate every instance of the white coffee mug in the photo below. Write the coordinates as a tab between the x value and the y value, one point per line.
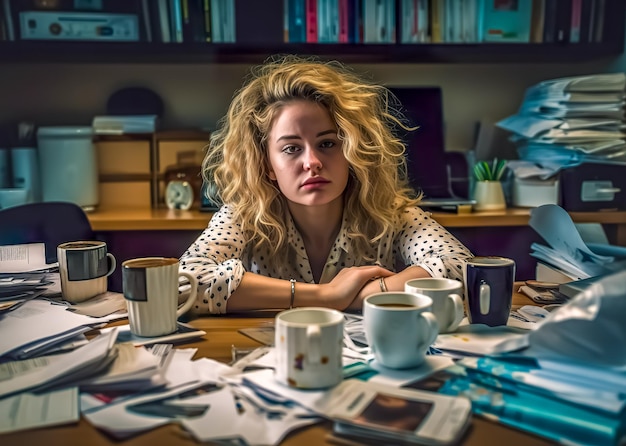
399	328
150	287
447	301
309	345
84	267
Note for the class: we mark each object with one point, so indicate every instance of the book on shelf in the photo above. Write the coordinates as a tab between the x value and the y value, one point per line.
296	21
506	21
379	21
414	16
311	21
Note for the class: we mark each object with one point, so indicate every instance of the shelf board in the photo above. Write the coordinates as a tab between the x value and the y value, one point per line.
123	52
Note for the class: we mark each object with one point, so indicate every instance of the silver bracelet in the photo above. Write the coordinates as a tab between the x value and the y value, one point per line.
293	292
381	282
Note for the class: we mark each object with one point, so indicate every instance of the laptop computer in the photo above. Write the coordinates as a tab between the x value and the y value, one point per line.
426	158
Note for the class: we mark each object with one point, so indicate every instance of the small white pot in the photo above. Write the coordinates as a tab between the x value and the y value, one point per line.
489	196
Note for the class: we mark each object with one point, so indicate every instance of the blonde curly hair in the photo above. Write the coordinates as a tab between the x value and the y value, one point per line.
366	117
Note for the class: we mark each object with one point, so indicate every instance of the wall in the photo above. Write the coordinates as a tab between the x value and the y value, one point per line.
197	95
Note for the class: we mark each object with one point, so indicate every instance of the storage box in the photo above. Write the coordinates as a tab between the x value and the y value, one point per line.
534	192
593	187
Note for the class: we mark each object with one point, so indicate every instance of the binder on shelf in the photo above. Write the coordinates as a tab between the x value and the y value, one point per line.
563	21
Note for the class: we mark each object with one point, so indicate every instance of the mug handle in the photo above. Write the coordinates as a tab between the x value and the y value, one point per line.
112	264
459	312
484	299
314	338
430	331
193	282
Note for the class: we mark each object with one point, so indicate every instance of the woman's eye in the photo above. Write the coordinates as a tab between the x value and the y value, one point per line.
290	149
327	144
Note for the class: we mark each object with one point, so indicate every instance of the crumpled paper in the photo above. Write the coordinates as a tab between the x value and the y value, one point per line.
591	328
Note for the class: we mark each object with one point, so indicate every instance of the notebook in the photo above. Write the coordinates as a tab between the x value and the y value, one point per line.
426	158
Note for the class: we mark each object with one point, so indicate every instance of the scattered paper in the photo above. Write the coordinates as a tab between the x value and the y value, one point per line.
29	410
23	258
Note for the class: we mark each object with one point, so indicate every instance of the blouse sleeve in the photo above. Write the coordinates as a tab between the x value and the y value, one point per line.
424	242
214	258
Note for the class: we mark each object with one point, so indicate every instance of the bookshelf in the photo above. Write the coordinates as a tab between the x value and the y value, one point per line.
260	31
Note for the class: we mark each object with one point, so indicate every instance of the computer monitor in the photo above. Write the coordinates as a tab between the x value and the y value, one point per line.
423	107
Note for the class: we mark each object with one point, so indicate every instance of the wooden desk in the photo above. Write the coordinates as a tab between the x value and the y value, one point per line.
221	335
146	232
148	219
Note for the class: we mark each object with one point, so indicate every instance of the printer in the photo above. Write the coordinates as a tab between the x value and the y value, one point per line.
593	187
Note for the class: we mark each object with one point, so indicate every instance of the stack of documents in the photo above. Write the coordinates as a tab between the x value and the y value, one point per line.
567	253
565	122
119	125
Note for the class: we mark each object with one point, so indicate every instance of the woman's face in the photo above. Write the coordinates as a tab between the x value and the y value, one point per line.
305	155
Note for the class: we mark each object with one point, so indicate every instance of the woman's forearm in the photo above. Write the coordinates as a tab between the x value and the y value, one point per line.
260	292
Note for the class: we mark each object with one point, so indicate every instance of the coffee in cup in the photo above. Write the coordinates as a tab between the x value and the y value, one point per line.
399	327
84	267
150	287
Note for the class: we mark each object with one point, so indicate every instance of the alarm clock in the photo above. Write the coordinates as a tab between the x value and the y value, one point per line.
179	195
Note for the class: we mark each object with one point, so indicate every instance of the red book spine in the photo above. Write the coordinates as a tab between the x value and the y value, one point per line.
343	21
311	21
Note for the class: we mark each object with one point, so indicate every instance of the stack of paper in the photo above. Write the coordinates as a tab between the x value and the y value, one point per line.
85	361
119	125
564	122
567	253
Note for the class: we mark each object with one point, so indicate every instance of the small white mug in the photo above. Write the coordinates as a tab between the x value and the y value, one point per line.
447	301
399	328
84	267
150	287
309	345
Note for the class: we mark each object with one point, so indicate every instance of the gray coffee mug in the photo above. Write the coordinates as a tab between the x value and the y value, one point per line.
84	267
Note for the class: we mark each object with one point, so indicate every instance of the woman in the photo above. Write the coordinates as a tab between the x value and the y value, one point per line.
317	210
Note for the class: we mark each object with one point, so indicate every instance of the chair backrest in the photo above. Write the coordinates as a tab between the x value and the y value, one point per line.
51	223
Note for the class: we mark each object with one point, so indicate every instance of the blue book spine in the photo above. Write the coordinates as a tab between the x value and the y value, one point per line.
296	25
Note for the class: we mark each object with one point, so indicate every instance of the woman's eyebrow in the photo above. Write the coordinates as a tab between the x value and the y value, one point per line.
287	137
325	132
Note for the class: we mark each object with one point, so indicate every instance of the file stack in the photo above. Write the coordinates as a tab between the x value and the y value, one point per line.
119	125
567	257
568	121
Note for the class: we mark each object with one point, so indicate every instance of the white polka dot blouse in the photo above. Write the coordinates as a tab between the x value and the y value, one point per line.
220	256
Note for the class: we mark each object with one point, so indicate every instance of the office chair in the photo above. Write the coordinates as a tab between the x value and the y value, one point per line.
51	223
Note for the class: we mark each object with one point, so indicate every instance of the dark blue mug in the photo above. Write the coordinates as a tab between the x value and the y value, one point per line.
489	289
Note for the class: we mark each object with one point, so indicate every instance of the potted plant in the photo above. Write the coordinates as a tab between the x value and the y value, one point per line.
488	191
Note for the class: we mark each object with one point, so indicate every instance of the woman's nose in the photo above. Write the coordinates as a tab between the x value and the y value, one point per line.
311	161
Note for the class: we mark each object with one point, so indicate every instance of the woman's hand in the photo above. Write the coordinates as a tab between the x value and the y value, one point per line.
393	282
340	292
